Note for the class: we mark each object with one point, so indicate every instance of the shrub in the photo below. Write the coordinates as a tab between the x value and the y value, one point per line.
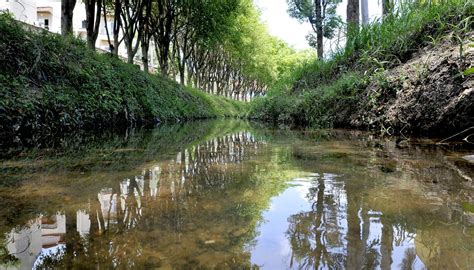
318	91
49	83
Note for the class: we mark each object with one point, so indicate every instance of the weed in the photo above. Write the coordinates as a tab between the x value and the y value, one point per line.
50	83
315	92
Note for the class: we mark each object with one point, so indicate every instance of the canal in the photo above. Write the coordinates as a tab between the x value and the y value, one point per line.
236	195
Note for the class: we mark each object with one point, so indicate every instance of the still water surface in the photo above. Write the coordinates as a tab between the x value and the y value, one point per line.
233	195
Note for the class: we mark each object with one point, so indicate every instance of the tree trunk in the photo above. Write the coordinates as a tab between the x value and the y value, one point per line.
93	11
117	25
319	28
352	14
364	8
145	49
181	73
130	53
67	12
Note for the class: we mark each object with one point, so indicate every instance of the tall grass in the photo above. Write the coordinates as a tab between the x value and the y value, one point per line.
373	48
392	40
49	83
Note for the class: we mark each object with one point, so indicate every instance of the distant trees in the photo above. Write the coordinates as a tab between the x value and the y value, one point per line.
218	46
321	14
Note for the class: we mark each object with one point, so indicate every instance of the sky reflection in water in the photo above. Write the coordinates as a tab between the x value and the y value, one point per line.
232	195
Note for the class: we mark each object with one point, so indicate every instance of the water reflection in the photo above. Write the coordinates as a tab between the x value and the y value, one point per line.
318	236
239	201
163	203
337	233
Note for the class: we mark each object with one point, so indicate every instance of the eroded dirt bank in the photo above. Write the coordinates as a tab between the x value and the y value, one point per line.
427	95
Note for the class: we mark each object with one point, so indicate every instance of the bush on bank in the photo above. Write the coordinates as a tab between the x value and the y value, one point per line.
320	93
49	83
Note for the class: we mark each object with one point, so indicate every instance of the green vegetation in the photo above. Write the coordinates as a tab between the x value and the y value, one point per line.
468	207
52	83
320	91
49	83
219	47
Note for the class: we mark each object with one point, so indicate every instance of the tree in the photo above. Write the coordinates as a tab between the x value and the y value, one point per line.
132	14
147	29
163	20
115	7
93	14
322	16
353	13
67	12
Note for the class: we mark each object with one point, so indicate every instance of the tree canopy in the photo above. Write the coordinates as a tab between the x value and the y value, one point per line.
219	46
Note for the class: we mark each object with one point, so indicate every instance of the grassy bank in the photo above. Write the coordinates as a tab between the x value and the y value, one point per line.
325	93
49	83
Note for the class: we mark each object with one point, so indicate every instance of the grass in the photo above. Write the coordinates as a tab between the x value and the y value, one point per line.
319	107
318	90
222	107
49	84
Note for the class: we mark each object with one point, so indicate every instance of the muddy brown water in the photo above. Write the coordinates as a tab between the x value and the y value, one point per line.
234	195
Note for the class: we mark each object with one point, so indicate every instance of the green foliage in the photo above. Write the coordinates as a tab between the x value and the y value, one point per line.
316	107
49	83
305	10
312	93
468	71
468	207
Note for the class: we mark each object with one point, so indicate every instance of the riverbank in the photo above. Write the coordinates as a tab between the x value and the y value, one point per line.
409	74
51	84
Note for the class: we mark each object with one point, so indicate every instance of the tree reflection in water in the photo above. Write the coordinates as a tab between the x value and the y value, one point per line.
317	236
340	232
234	202
174	214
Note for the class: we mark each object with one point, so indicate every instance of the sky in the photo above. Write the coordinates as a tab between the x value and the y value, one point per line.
280	24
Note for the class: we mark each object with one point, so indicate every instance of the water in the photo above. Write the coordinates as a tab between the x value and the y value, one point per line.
234	195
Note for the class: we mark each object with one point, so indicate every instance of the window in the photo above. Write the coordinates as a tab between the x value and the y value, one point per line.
46	24
84	24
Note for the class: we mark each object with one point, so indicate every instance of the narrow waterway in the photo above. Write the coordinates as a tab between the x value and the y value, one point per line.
235	195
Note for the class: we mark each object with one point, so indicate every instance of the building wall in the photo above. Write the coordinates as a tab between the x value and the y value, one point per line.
23	10
55	6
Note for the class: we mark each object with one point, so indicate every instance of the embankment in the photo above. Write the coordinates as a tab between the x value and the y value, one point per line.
429	94
408	74
51	84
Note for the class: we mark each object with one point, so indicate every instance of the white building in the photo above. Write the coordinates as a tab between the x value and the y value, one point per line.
47	14
23	10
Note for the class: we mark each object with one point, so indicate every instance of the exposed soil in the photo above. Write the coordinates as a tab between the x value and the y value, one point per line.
426	95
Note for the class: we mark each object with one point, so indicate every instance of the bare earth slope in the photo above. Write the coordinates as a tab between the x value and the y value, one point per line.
425	95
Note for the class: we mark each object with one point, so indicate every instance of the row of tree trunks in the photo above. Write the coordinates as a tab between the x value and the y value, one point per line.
166	26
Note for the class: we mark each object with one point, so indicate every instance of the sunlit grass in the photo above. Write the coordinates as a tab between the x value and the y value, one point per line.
318	91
